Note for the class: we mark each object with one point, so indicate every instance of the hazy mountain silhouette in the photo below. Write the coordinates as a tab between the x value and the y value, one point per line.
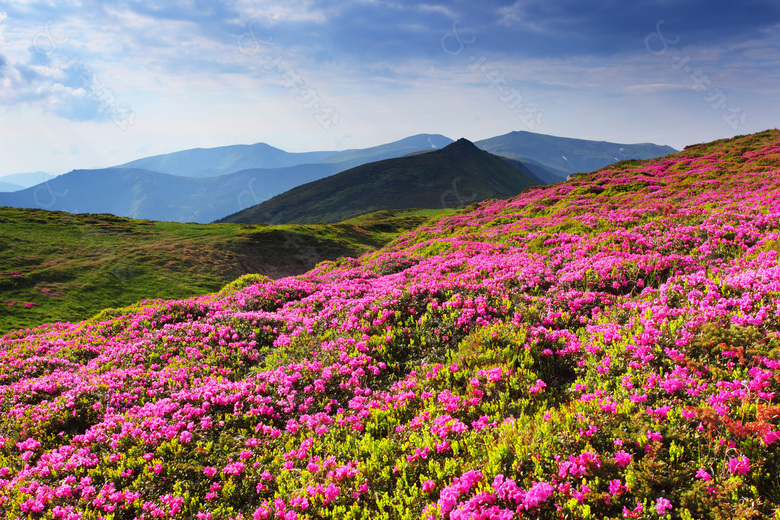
454	176
222	160
564	155
189	189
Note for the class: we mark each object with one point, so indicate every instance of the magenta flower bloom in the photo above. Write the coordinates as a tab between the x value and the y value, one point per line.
702	474
662	505
261	513
29	444
428	486
331	491
616	487
623	458
739	466
633	513
537	495
235	468
538	386
771	437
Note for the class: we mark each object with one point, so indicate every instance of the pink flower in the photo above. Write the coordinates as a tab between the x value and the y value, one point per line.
331	491
623	458
662	505
616	487
29	444
428	486
702	474
209	471
236	468
537	495
739	466
538	386
633	513
771	437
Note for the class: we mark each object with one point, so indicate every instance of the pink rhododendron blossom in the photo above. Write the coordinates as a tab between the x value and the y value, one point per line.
623	458
662	505
633	513
538	386
739	465
771	436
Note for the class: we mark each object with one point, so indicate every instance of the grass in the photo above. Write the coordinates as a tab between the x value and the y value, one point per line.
57	266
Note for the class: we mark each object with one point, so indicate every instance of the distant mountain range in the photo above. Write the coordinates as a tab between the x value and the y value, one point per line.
20	181
141	193
454	176
564	154
212	162
206	184
7	186
137	193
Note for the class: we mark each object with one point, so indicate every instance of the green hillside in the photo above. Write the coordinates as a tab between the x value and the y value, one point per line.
454	176
57	266
602	348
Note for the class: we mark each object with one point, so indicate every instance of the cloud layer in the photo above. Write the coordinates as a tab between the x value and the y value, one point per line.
248	70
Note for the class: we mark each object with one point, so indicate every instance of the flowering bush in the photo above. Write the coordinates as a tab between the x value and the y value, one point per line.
601	348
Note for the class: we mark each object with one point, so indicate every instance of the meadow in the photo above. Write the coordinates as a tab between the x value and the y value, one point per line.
605	347
57	266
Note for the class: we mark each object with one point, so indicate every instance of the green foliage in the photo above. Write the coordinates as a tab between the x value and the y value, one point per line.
68	267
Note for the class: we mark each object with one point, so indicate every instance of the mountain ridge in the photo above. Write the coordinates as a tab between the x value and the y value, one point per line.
568	154
215	197
457	174
223	160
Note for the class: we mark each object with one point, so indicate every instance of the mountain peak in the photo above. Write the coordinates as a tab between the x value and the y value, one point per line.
463	142
454	176
461	149
461	145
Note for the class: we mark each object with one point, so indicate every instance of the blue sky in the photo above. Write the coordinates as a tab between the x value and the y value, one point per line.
88	84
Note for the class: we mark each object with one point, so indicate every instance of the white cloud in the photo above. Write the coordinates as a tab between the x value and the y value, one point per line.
56	91
438	8
277	11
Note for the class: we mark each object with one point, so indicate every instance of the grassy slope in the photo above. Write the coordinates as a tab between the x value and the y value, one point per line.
607	347
73	265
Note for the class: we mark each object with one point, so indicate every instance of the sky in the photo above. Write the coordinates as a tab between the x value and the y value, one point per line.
90	84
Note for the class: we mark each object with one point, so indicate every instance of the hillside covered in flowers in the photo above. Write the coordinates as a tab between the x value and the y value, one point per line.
602	348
